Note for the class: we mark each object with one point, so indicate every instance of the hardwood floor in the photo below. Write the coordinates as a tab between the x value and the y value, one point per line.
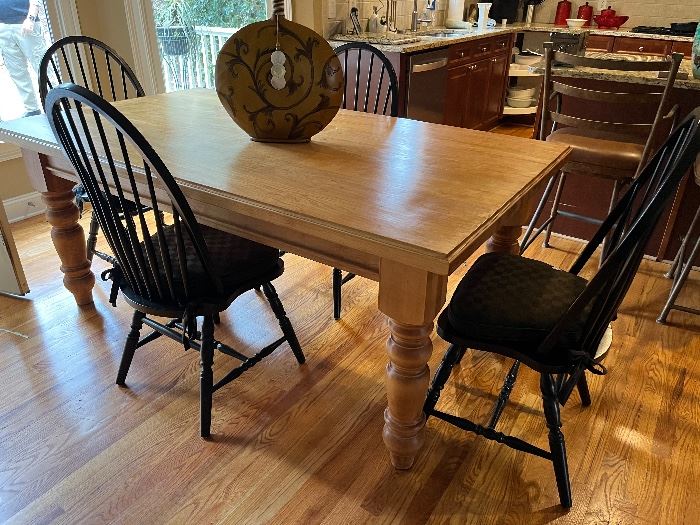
303	444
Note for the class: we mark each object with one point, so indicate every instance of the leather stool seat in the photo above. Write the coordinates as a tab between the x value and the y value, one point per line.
601	149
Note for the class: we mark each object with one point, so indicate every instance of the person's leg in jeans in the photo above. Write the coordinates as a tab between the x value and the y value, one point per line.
17	50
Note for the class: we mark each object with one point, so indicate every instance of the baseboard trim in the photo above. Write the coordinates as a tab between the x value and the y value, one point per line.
24	206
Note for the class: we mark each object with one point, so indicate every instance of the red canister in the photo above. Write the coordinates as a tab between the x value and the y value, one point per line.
585	12
563	12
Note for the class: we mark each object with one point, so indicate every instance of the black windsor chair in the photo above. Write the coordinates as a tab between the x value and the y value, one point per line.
88	62
552	320
371	86
180	270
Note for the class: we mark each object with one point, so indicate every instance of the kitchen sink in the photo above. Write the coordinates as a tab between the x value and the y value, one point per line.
444	34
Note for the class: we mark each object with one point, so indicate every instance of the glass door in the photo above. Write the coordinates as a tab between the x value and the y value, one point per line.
191	32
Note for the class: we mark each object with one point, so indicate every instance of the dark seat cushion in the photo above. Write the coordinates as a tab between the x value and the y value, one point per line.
599	148
514	301
234	260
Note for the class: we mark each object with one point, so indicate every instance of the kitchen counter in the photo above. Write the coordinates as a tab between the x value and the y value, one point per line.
634	77
427	39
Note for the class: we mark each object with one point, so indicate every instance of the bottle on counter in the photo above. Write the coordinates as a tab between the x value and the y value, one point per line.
563	12
696	54
585	12
373	22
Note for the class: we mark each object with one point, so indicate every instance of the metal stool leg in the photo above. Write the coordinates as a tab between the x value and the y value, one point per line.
682	276
92	236
555	209
527	240
606	242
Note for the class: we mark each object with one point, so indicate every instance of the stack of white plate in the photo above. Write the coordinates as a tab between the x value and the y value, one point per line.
521	97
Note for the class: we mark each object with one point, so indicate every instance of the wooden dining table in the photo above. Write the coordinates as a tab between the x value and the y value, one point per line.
394	200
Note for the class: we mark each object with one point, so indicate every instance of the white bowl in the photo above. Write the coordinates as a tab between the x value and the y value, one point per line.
527	60
520	102
521	92
575	23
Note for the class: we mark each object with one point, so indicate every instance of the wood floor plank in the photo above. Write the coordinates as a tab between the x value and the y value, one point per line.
302	444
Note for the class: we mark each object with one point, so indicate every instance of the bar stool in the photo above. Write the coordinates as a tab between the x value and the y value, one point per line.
610	150
681	264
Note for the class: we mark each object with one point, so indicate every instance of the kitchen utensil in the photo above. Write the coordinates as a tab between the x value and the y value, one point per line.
610	22
585	12
527	60
520	102
355	17
521	92
563	12
575	23
270	104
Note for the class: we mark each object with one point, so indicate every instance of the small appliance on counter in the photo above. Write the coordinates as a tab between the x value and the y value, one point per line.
563	12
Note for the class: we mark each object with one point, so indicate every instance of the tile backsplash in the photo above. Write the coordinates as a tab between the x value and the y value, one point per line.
641	12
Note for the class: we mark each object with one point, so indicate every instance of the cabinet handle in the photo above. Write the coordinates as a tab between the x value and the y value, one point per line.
483	50
494	60
461	54
641	48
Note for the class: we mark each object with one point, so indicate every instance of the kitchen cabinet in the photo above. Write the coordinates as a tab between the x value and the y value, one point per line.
476	82
600	43
682	47
641	46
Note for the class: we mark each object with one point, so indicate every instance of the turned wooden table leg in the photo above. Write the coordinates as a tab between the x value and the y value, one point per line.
66	233
411	298
505	240
407	378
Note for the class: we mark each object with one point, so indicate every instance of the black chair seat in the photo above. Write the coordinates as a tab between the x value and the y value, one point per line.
514	302
236	261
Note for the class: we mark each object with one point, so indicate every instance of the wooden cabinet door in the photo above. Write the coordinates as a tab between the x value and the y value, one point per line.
496	90
456	93
599	43
641	46
478	94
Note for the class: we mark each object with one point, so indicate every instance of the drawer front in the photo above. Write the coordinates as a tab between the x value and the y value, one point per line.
474	50
641	46
683	47
600	43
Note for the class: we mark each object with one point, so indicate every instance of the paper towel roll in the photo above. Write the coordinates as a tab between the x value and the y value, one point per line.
455	9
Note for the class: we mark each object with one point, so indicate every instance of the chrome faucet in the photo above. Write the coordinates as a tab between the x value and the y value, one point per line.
415	21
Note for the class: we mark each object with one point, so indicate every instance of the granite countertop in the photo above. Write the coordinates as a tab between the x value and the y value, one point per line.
634	77
426	39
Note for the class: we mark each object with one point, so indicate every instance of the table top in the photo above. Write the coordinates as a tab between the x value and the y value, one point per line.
366	181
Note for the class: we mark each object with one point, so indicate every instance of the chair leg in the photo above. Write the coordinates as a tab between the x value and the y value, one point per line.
557	446
504	394
285	323
337	291
92	236
555	209
442	374
206	376
130	347
536	216
606	242
583	391
680	278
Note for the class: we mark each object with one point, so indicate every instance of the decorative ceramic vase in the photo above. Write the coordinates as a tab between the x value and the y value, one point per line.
696	54
278	80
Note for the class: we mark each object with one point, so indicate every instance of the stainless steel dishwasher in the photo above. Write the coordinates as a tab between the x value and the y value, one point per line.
426	86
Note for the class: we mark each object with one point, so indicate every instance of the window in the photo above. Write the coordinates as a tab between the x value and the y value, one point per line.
190	34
